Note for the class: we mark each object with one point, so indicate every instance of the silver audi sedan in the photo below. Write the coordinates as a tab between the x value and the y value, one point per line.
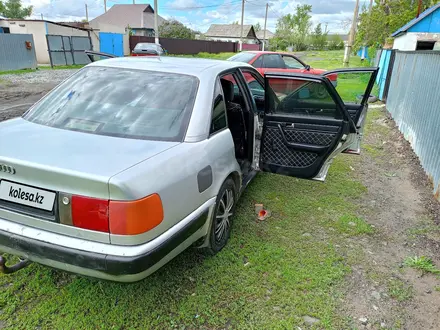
132	160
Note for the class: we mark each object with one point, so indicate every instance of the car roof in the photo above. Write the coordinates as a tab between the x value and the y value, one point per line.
190	66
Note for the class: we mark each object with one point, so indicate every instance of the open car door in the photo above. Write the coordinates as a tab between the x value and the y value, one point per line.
96	56
354	86
302	131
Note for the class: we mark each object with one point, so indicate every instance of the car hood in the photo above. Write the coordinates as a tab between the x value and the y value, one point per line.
30	144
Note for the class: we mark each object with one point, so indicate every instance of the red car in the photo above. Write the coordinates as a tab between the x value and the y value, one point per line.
278	62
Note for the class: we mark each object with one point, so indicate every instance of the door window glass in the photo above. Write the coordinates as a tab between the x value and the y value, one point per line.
301	97
351	86
258	63
257	90
218	118
292	63
273	61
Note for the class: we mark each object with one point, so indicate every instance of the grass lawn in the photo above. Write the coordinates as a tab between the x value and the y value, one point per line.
270	275
61	67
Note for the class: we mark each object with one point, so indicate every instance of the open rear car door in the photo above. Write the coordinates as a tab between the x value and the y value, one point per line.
302	131
354	86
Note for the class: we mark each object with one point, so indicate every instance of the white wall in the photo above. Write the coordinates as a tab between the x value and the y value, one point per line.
65	31
408	41
38	30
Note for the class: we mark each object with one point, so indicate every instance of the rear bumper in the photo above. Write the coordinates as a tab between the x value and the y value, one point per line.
121	263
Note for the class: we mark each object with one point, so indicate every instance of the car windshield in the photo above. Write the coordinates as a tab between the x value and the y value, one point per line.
242	57
147	46
120	102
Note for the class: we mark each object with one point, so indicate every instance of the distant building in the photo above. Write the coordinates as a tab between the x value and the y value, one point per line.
269	35
231	33
140	18
422	33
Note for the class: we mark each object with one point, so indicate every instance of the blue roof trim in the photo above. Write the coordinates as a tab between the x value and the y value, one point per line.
413	22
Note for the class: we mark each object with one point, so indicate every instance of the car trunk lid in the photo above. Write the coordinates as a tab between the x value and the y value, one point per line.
60	161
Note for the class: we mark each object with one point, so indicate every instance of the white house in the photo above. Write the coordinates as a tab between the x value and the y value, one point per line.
422	33
231	33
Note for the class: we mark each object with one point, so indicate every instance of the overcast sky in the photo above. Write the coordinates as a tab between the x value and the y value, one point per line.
199	14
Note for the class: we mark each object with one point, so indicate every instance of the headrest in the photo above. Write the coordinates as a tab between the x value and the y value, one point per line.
228	90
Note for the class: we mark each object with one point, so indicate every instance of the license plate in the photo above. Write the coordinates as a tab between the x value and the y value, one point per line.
25	195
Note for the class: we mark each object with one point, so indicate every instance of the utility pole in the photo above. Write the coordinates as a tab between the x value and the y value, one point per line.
87	13
42	18
105	5
156	29
371	5
265	23
352	34
419	9
134	2
242	21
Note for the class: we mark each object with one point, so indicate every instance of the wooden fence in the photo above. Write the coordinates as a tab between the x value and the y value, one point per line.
187	46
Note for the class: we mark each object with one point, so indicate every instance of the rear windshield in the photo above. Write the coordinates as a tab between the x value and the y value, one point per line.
120	102
147	46
242	57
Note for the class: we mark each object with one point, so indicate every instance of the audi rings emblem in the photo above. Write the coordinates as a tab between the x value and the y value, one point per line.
7	169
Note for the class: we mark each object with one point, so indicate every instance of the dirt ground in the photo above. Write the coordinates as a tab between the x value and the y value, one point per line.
380	292
400	204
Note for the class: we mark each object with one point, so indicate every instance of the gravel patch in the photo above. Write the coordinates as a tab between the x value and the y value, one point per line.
39	76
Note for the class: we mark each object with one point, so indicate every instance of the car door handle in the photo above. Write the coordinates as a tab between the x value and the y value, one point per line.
301	146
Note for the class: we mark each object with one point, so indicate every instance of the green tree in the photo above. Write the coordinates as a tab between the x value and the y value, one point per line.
319	38
387	16
174	29
257	27
294	29
335	42
14	9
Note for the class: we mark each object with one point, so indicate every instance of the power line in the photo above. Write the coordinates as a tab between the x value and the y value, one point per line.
201	7
219	18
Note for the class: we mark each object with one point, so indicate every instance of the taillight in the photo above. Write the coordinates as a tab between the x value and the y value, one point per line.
135	217
90	213
117	217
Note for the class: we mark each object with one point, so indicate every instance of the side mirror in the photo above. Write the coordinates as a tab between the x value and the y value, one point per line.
307	67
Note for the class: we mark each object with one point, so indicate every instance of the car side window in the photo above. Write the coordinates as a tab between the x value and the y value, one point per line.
258	63
292	63
218	117
273	61
306	98
256	88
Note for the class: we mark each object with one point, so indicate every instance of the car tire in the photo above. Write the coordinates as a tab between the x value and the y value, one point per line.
319	92
221	222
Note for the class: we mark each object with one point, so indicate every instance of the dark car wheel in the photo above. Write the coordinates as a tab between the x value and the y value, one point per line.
319	91
222	217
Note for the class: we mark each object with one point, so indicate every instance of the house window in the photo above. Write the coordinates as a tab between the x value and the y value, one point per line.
425	45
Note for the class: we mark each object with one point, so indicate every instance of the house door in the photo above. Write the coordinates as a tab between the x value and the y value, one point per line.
111	43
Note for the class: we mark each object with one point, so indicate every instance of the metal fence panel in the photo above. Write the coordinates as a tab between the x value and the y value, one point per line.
68	50
81	43
414	102
14	55
55	43
188	46
66	42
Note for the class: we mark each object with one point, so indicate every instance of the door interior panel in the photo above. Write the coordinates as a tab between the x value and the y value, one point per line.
296	146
